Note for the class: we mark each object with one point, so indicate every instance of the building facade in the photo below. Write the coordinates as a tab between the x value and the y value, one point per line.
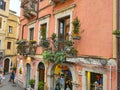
8	36
75	45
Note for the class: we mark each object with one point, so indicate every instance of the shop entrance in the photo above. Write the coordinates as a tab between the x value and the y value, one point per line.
62	77
41	71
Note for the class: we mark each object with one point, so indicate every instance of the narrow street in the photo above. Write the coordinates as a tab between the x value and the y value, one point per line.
9	85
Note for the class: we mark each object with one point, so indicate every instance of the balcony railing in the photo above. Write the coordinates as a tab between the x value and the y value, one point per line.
25	47
29	12
2	53
56	1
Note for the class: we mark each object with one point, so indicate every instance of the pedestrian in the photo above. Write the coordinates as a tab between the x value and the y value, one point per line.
12	76
1	77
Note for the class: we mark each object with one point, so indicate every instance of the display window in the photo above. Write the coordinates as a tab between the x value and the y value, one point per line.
94	81
62	78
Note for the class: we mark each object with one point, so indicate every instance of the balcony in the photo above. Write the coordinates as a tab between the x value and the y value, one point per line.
29	12
54	2
2	53
25	47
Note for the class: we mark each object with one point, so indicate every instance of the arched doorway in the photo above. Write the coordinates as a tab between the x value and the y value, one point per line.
62	77
6	65
41	73
28	74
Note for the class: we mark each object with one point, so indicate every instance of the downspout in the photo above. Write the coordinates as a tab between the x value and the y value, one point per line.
110	77
23	30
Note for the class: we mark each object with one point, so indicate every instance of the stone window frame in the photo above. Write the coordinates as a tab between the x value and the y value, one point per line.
44	20
31	25
84	77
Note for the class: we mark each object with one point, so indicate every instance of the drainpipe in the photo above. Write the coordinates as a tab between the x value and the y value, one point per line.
110	77
23	30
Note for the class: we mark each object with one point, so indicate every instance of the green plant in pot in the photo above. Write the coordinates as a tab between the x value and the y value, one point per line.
32	83
73	52
116	32
41	85
45	43
76	27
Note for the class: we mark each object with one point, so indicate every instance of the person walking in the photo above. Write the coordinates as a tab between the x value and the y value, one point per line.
1	77
12	76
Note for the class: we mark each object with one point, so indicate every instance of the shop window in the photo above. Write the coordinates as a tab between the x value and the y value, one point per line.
0	22
10	29
8	45
2	4
94	81
62	78
63	32
31	34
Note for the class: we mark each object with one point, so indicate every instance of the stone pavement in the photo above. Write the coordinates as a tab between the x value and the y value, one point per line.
9	85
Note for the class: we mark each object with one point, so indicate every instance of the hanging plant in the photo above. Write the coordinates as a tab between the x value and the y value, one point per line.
60	57
47	56
73	52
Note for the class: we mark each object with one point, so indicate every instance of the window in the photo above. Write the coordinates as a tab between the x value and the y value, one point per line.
63	32
10	29
43	30
31	34
8	45
0	22
2	4
94	81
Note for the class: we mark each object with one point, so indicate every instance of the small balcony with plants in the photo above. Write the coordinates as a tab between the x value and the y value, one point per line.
29	9
25	47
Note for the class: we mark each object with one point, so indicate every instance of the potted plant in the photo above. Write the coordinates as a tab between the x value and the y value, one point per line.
32	83
53	36
76	27
73	52
45	43
41	85
116	32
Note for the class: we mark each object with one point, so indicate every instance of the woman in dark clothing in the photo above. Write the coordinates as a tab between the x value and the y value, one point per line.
12	76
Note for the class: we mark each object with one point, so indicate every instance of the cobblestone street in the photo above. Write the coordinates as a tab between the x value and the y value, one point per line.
9	85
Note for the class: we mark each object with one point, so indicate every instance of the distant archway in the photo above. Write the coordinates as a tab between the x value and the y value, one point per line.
6	65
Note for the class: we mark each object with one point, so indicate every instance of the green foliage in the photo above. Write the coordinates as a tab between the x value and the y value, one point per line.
41	85
32	81
47	55
73	52
69	43
43	33
60	57
116	32
76	25
45	43
53	36
32	42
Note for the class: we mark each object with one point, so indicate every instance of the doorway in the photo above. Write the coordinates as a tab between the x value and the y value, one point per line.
28	75
41	73
6	65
